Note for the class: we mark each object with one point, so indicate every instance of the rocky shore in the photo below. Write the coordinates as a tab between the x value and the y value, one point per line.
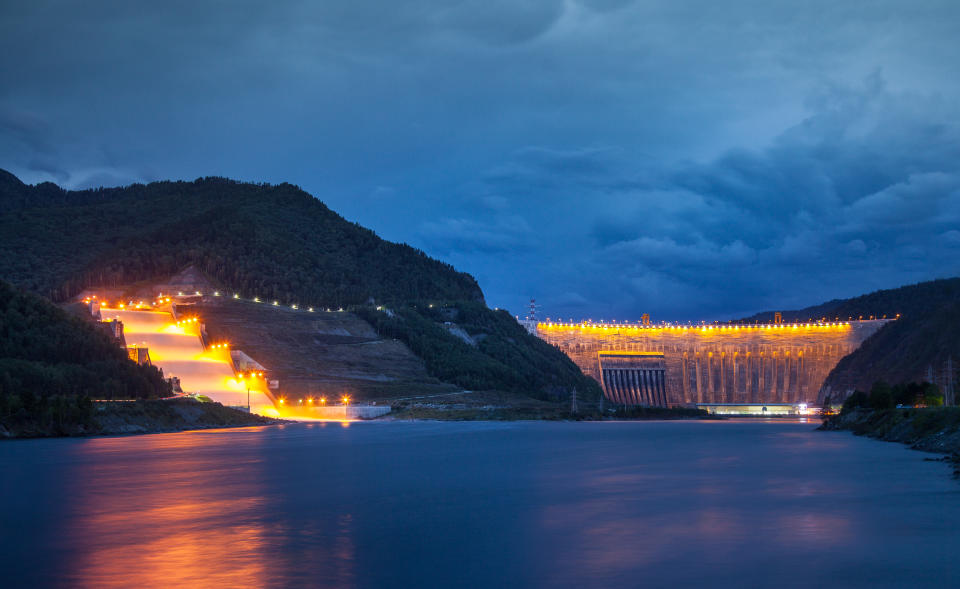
142	417
932	429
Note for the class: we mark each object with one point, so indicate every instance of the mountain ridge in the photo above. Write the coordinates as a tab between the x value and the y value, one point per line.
215	224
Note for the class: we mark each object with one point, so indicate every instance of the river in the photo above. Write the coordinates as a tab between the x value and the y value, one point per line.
479	504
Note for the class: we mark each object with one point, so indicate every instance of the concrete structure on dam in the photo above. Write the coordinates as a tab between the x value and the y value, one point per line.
769	363
633	378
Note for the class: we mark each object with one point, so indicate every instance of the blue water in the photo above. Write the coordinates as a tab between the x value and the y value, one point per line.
653	504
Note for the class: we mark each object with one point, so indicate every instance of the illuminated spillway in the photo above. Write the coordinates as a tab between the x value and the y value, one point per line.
177	349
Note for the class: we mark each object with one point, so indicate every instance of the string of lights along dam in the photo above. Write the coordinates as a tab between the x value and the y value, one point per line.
687	364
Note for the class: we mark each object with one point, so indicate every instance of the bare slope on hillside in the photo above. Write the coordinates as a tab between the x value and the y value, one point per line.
320	353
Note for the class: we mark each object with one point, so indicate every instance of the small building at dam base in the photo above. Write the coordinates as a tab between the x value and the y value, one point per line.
758	410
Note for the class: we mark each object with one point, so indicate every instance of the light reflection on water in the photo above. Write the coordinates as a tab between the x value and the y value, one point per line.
479	505
176	517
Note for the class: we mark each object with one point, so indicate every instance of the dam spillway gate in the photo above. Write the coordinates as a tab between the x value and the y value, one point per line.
775	363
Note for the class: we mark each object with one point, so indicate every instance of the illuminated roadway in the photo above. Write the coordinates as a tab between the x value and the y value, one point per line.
178	350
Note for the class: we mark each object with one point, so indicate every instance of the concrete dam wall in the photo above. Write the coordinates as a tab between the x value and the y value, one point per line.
775	363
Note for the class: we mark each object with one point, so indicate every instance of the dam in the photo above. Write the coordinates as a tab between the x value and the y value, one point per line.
774	363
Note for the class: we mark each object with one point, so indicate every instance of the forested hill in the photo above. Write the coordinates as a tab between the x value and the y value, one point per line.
275	241
905	350
925	335
52	364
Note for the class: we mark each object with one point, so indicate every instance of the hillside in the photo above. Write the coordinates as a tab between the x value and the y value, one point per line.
926	334
52	363
320	353
904	351
478	349
279	243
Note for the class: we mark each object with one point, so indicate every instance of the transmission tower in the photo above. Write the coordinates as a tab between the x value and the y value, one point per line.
948	382
532	313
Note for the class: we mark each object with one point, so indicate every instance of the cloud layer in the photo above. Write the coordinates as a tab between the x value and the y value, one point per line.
690	160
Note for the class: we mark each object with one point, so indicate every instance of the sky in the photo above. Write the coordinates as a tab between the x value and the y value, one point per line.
693	160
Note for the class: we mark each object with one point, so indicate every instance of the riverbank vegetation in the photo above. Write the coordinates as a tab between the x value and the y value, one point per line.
883	396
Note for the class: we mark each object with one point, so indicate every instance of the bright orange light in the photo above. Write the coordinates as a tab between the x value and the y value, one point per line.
281	401
345	399
323	400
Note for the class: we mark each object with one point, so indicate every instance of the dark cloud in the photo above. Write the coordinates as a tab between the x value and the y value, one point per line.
692	159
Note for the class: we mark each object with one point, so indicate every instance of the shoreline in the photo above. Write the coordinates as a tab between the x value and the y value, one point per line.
539	413
934	430
129	418
140	417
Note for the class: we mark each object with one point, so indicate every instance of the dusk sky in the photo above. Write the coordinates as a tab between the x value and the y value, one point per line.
691	160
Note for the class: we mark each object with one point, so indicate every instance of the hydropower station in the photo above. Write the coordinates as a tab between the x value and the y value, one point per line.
687	364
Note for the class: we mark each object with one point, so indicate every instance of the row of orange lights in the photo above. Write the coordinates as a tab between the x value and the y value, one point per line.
121	305
345	400
693	327
162	299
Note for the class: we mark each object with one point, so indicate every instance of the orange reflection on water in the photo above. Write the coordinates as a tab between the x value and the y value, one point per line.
172	518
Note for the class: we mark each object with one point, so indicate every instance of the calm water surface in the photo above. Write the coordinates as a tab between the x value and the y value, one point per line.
654	504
